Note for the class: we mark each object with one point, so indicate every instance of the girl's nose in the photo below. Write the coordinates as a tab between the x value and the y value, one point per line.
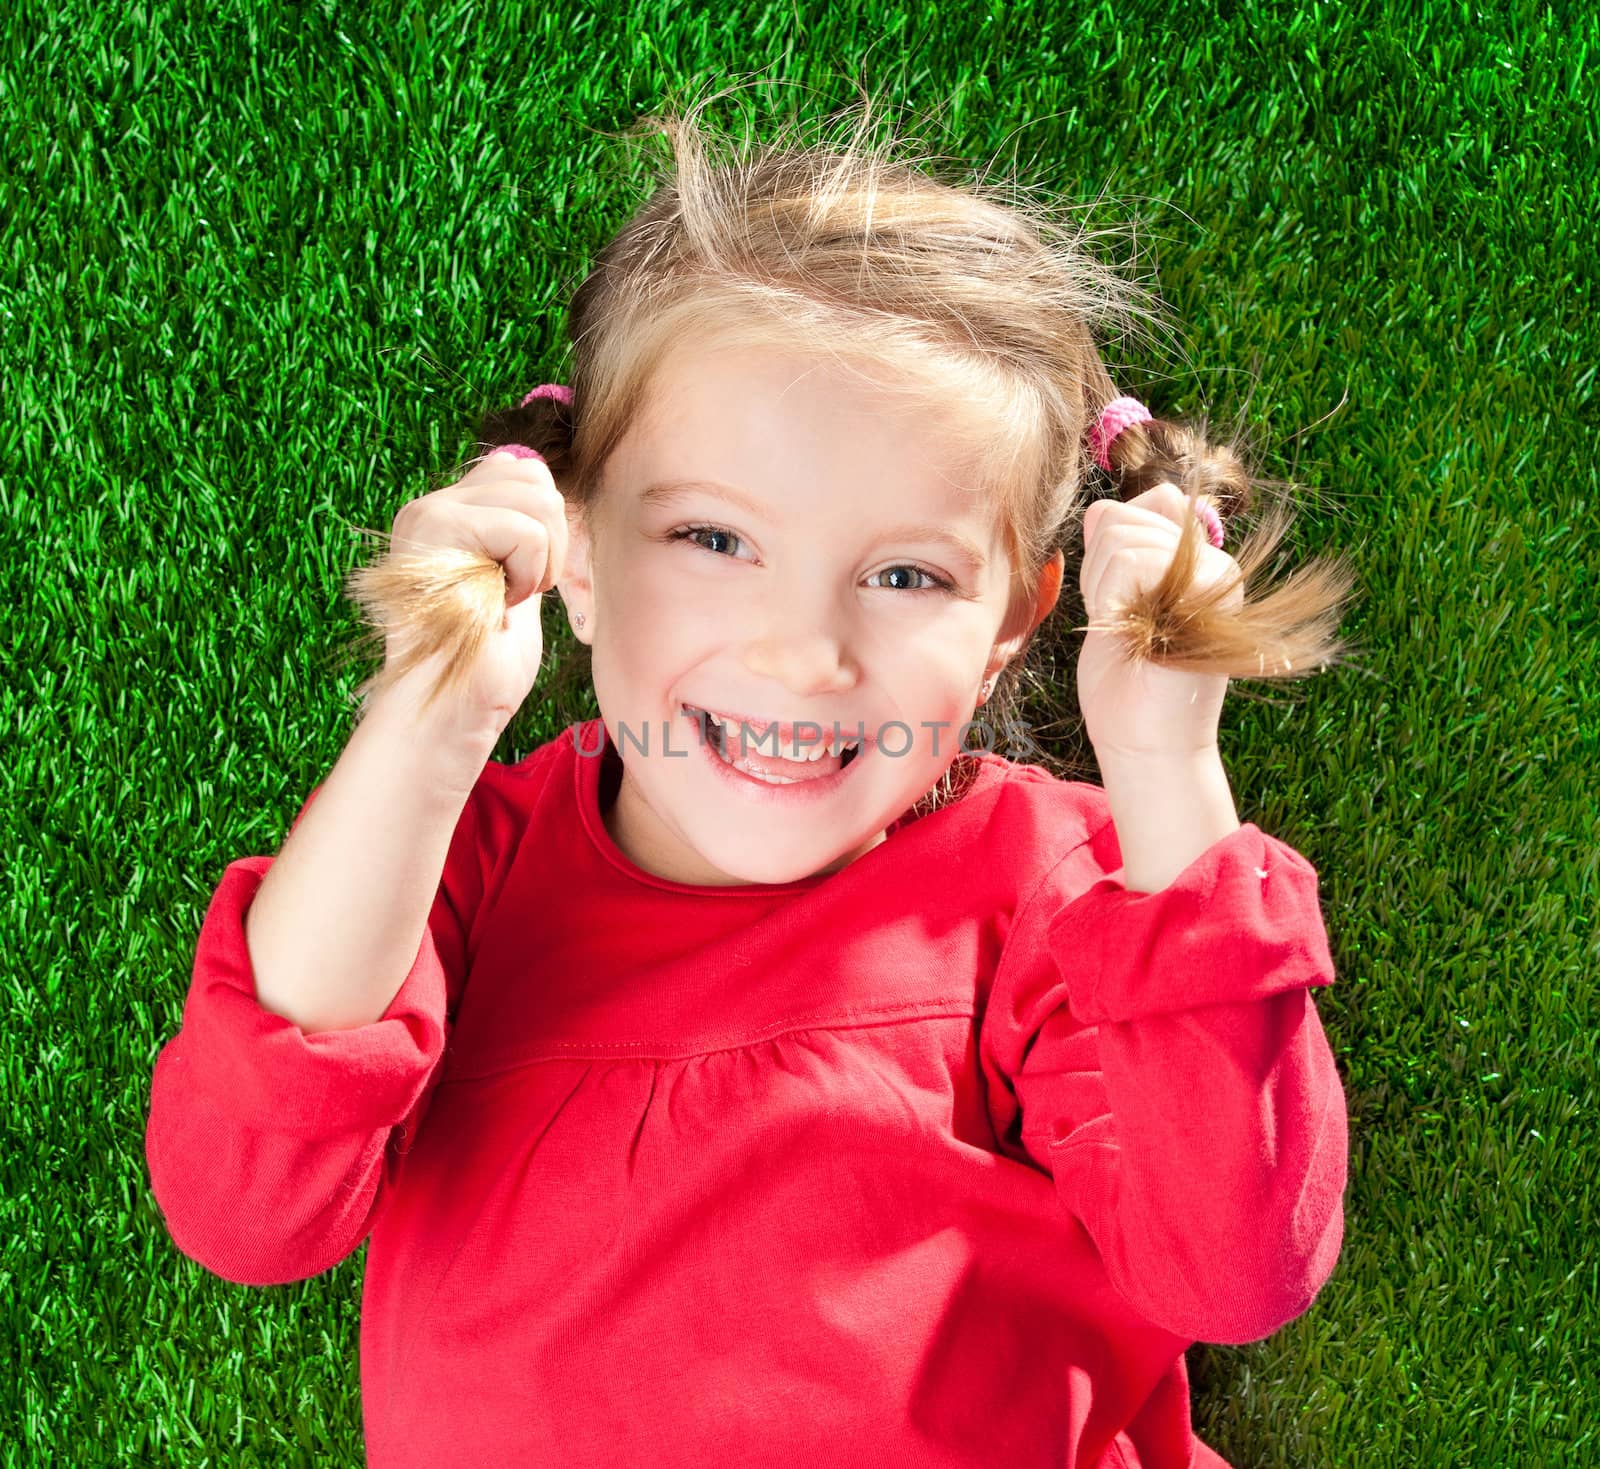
804	653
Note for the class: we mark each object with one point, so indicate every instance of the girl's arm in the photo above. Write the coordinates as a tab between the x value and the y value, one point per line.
270	1113
1159	1055
336	924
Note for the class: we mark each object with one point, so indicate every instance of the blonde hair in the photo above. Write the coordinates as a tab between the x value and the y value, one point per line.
949	293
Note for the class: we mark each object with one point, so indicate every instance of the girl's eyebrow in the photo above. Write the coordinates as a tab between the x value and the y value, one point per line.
666	491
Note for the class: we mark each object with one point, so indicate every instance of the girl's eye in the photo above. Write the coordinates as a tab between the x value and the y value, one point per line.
690	531
934	582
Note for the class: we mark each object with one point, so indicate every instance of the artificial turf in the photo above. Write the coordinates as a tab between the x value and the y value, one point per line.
263	263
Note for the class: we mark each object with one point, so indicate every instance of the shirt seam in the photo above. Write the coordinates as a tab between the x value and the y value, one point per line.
962	1007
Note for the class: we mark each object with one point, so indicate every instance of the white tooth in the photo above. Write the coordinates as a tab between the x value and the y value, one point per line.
774	780
729	728
806	752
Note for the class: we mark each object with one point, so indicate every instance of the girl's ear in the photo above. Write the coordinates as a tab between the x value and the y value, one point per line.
576	579
1046	595
1050	578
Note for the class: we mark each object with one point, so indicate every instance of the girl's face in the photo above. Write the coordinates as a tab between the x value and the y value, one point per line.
843	576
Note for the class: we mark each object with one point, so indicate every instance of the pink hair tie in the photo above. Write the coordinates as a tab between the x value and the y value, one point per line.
1121	413
561	393
1118	414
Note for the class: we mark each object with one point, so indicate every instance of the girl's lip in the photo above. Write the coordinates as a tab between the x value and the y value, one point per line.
812	788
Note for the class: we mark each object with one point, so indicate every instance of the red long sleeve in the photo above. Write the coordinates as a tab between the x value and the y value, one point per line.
1160	1056
266	1145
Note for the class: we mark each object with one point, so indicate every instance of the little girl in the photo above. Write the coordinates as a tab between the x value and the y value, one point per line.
757	1074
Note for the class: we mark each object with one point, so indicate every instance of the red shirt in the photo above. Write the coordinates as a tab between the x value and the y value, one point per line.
939	1160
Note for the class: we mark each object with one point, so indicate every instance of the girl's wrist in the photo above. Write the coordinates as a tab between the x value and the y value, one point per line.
1167	809
446	746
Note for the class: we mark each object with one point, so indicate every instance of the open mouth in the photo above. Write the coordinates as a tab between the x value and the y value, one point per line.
714	733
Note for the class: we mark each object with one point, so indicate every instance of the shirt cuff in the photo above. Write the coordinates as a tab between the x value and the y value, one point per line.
1241	922
266	1072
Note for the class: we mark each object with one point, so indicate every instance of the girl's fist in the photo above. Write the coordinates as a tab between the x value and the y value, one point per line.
1142	709
506	510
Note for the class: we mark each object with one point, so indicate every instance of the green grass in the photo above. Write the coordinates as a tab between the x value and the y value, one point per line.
262	265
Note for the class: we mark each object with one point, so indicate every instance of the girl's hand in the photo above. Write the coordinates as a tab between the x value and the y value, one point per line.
1137	711
507	509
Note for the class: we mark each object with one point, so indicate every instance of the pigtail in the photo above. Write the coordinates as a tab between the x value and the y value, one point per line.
441	604
1289	632
542	424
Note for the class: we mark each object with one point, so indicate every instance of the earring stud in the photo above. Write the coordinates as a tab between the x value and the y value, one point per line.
577	619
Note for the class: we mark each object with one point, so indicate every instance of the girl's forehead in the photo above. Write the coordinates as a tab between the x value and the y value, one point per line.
719	382
773	430
770	452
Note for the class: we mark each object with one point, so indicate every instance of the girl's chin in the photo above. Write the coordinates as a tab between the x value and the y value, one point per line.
765	859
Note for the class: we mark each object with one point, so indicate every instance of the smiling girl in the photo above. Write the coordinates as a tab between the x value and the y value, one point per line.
755	1074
